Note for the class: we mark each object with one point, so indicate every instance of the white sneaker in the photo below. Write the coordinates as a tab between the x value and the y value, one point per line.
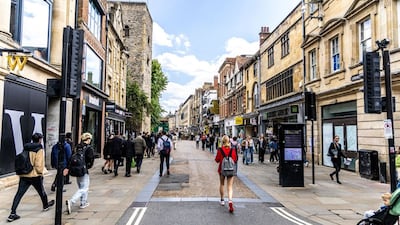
84	205
68	203
222	202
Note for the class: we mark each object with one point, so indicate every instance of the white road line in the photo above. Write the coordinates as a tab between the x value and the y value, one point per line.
281	211
136	211
140	216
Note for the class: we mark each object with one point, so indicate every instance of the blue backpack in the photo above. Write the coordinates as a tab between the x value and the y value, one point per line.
166	146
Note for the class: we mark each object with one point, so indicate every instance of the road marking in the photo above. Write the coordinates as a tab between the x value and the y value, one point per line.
282	212
137	215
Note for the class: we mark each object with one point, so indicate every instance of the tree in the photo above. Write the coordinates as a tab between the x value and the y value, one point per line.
136	103
158	84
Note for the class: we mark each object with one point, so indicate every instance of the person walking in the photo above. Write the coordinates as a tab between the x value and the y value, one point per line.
226	148
107	151
54	161
140	147
262	146
68	139
129	154
116	153
273	146
34	178
251	148
162	146
83	181
336	154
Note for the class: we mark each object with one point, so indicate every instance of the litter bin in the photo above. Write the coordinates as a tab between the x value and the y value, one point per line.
368	164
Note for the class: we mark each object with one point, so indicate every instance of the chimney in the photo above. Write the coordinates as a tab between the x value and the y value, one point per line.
215	82
264	34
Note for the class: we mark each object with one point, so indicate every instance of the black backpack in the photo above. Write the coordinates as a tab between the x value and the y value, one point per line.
166	146
77	163
23	163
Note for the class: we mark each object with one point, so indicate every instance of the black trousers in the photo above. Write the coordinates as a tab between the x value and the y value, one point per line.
24	184
128	164
261	153
337	164
164	156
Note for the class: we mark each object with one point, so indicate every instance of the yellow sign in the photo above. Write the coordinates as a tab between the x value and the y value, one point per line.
238	120
15	60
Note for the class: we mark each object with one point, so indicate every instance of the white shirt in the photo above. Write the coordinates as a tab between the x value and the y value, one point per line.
160	143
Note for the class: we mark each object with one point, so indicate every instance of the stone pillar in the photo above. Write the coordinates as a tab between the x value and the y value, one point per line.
5	12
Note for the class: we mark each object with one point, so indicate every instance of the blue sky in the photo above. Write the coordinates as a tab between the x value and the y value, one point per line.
191	38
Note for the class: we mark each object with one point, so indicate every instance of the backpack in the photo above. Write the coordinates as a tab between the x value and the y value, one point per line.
166	146
228	165
54	156
77	163
23	163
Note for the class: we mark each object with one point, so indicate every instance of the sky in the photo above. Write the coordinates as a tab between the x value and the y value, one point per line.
192	38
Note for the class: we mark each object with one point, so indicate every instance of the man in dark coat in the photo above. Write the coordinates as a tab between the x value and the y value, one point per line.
140	146
129	148
116	153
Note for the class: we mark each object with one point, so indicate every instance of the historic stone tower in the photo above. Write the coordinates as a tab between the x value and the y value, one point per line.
138	35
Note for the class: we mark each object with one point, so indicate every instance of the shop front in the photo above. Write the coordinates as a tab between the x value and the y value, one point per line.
24	110
92	108
340	119
115	119
287	110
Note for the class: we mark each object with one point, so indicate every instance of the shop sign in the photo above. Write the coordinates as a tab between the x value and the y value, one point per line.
94	100
238	120
253	121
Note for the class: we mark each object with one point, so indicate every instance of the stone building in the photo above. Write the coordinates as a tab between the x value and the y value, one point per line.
335	40
91	18
31	53
116	70
281	73
232	95
138	31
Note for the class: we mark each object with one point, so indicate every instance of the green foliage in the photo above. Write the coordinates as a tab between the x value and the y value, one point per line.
158	84
136	103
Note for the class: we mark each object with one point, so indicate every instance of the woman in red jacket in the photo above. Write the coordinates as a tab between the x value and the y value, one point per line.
226	148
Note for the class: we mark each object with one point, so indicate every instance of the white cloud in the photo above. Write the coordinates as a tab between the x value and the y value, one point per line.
162	38
195	70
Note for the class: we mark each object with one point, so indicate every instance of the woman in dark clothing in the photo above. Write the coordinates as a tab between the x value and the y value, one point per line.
262	145
108	164
336	154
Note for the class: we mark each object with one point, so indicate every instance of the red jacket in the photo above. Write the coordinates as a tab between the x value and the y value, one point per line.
219	157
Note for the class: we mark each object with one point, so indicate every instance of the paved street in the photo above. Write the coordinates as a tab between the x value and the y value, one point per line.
193	179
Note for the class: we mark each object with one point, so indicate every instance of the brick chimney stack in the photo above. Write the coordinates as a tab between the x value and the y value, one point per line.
264	34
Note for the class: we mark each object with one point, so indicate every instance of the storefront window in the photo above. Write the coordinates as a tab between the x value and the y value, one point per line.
94	69
30	25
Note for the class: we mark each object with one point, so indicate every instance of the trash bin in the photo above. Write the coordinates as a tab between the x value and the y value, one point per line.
368	164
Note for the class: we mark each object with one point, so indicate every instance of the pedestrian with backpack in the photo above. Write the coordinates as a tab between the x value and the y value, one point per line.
227	159
164	146
81	161
54	160
34	177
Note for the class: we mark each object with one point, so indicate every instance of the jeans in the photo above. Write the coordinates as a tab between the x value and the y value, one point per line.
163	156
82	193
251	152
24	184
139	160
246	156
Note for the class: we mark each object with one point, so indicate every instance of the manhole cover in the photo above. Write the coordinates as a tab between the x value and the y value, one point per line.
175	178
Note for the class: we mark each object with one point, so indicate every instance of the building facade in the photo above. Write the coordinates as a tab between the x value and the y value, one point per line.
116	70
138	35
